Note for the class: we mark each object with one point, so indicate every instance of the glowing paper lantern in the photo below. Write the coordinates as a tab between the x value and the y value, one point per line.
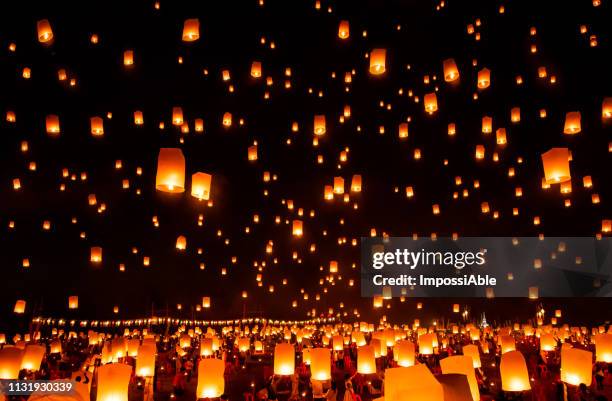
463	365
415	383
200	185
297	228
378	61
284	359
206	302
576	366
52	124
319	124
572	123
405	353
471	350
252	153
45	33
95	254
181	243
426	343
170	171
113	382
145	363
97	126
606	109
507	343
366	361
484	78
177	116
20	306
32	357
73	302
451	73
547	342
556	165
128	58
191	30
320	363
431	103
356	183
344	30
211	382
10	362
513	371
603	348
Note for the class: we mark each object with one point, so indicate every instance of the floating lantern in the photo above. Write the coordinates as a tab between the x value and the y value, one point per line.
211	380
45	33
606	109
500	136
191	30
297	229
73	302
284	359
95	254
256	69
547	342
128	58
403	131
556	165
404	350
426	343
97	126
515	114
378	61
170	171
366	362
415	383
356	183
10	363
471	350
431	103
451	73
572	123
484	78
52	124
513	372
200	185
487	125
206	302
320	363
338	185
145	362
576	366
319	124
343	30
20	306
456	308
113	382
606	226
181	243
252	153
507	343
177	116
463	365
603	348
32	357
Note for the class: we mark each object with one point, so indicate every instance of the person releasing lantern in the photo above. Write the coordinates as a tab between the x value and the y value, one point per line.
52	124
415	383
366	361
378	61
170	171
319	124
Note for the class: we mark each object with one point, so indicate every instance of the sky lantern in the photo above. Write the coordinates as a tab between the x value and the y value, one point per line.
463	365
297	229
338	185
95	254
97	126
20	306
415	383
471	350
256	69
366	361
138	117
113	382
32	357
284	359
403	131
177	116
513	372
319	124
484	78
603	347
547	342
576	366
451	73
128	58
572	123
200	185
181	243
145	362
378	61
227	119
10	362
52	124
170	171
320	363
211	380
252	153
430	103
606	226
426	343
356	183
507	343
73	302
606	109
45	33
206	347
500	136
556	165
191	30
344	30
404	350
206	302
515	114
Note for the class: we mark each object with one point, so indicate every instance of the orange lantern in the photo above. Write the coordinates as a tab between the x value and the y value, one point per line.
576	366
606	109
431	103
451	73
252	153
513	371
20	306
128	58
10	362
603	348
145	362
356	183
32	357
556	165
177	116
366	361
378	61
191	30
45	33
471	350
52	124
284	359
256	69
405	353
343	30
170	171
113	382
403	130
211	380
200	185
181	243
415	383
297	228
319	124
97	126
320	363
484	78
95	254
572	123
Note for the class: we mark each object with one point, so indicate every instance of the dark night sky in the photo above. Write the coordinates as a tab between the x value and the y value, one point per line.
306	41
